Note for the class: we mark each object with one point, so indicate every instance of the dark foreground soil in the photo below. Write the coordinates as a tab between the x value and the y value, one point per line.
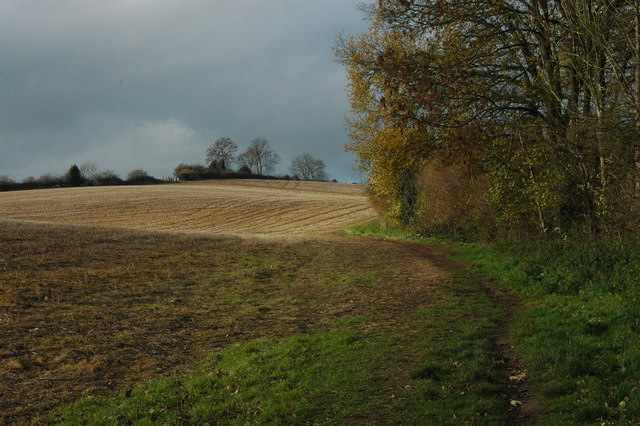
86	311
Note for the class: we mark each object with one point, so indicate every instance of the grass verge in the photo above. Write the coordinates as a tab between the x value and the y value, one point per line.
578	329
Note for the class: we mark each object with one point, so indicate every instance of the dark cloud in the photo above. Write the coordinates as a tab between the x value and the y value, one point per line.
151	83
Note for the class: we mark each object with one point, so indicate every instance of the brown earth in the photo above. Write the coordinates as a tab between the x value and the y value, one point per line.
98	306
87	311
233	207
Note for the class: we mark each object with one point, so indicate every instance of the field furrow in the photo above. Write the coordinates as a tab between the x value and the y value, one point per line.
274	208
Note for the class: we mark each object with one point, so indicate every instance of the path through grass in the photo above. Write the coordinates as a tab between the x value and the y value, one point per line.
578	326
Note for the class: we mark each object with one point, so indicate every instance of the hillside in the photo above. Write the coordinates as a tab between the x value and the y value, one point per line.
222	207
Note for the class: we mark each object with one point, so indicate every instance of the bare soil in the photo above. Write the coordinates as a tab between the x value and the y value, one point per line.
525	408
231	207
87	311
105	287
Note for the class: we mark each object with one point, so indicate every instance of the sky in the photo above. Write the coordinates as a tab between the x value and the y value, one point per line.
149	84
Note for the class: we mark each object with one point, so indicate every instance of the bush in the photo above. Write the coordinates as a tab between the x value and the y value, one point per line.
137	174
244	169
185	171
452	203
8	184
50	180
107	177
189	171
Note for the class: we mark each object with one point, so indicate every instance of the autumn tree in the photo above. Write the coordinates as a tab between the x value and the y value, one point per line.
259	157
540	96
307	167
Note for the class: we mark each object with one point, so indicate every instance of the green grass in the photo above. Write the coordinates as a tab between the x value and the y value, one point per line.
578	329
375	230
430	366
435	369
323	376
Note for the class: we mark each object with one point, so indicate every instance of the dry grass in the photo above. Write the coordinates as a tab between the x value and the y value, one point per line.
258	208
85	311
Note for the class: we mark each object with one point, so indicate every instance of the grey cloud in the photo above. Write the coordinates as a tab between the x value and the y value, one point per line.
78	75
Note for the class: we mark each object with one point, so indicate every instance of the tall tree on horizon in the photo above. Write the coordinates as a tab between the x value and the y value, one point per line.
222	153
307	167
259	157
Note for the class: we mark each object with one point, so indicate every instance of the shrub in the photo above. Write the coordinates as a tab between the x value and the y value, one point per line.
50	180
137	174
453	201
107	177
189	171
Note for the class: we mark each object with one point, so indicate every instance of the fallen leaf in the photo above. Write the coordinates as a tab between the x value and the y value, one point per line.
518	377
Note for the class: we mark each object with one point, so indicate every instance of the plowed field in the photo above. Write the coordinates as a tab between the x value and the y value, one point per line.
267	208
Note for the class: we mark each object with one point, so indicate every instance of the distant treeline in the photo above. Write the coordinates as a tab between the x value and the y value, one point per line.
256	162
74	177
80	176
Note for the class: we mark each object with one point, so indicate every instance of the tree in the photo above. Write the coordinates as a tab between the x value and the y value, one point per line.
307	167
189	171
542	96
259	157
88	169
222	153
73	176
244	169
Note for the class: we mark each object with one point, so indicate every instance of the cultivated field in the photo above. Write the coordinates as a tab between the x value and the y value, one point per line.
94	311
263	208
104	322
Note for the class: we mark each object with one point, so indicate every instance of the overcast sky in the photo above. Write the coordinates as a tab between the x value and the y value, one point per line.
151	83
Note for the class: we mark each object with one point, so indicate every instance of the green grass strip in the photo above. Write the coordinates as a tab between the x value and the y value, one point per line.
579	330
436	368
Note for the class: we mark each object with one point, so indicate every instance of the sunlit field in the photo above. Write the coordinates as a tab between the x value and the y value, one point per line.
267	208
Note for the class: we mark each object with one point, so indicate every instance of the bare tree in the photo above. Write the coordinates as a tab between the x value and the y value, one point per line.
259	157
222	153
307	167
88	169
